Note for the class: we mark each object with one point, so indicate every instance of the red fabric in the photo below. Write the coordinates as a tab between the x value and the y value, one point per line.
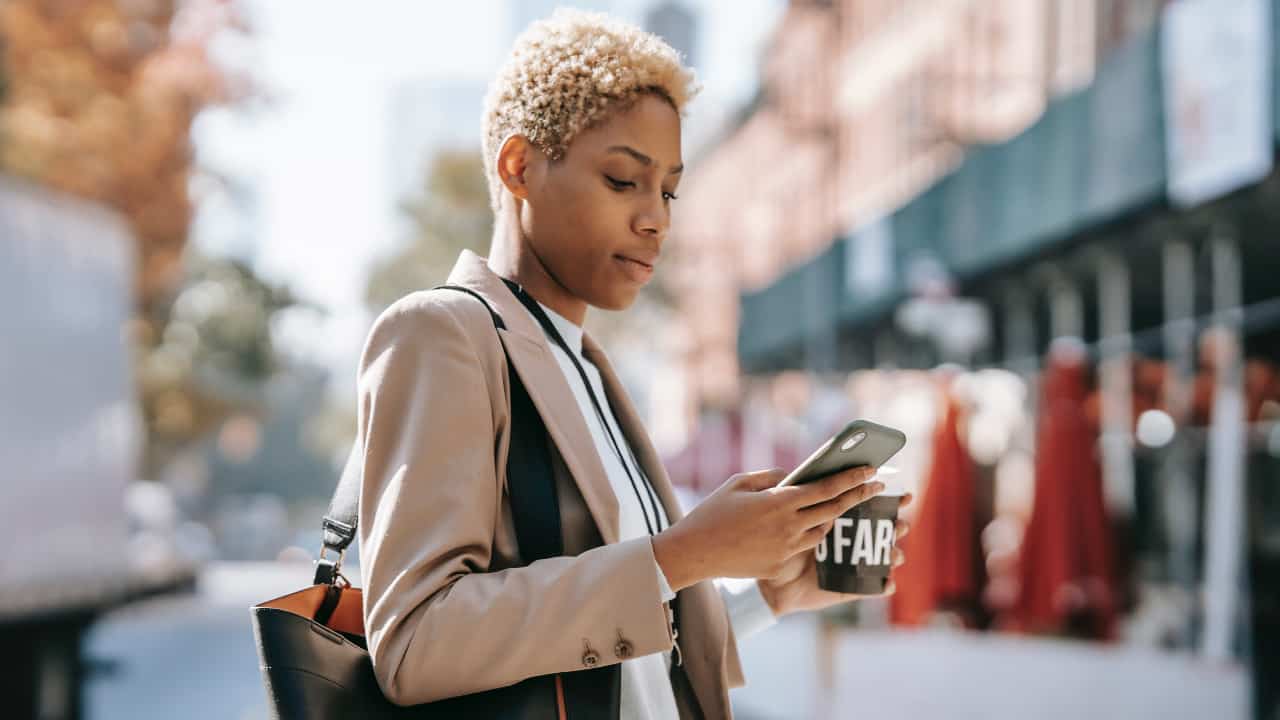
944	569
1066	567
1261	384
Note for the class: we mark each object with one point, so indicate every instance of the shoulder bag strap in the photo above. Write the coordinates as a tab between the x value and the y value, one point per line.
530	482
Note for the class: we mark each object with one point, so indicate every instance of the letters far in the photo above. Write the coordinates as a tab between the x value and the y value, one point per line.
870	542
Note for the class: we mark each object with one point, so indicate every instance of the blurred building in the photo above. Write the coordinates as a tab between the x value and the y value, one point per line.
678	25
862	105
428	116
969	181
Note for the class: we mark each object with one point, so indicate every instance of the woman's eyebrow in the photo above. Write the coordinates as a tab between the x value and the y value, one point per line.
642	158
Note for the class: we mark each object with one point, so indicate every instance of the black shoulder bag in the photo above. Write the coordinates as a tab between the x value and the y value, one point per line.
311	643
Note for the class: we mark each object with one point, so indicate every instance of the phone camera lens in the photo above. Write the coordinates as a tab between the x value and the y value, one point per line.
853	441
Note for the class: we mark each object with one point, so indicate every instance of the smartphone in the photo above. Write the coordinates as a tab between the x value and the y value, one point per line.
861	442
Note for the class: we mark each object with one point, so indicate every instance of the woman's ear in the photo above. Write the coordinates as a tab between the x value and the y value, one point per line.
515	158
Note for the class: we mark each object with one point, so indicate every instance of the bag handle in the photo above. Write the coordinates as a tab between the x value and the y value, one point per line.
530	482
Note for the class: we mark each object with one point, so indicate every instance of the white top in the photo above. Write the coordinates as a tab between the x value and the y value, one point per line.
646	684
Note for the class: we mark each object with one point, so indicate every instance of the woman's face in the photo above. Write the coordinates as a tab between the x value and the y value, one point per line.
598	217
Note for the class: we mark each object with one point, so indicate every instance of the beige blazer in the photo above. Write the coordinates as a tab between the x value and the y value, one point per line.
449	607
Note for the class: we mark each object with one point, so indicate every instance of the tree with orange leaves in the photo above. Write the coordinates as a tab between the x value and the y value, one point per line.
98	100
99	97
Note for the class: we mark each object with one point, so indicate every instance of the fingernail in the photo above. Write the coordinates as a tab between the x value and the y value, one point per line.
877	487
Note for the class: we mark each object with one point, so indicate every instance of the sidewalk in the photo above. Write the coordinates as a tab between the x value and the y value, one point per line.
937	674
195	653
187	656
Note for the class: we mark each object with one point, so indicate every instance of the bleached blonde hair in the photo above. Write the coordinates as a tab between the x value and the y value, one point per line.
566	74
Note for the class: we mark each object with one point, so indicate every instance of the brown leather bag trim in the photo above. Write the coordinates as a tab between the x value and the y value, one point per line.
561	714
348	617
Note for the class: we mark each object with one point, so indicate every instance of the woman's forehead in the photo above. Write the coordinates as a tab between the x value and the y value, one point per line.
647	133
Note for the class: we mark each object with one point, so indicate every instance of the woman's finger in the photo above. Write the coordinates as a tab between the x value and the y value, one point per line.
829	510
826	489
901	528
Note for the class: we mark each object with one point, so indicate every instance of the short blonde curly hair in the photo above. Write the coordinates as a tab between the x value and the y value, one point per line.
566	74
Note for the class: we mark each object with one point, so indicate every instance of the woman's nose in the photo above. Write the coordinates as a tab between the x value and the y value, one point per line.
653	221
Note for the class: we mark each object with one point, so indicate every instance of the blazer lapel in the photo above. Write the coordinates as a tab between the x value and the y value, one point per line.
703	636
629	421
530	355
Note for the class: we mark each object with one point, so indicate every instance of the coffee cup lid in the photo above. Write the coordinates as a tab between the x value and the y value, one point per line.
894	482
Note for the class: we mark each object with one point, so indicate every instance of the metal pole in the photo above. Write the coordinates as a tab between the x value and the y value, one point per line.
1115	369
1224	510
1179	496
1066	308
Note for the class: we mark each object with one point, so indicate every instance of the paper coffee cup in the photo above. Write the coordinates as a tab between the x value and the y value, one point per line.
857	555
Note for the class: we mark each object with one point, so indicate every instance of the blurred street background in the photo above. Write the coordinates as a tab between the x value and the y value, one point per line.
1035	235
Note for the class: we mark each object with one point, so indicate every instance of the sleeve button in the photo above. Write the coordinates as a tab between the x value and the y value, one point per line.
623	649
590	658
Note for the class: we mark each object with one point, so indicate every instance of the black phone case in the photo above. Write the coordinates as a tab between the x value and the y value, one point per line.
880	444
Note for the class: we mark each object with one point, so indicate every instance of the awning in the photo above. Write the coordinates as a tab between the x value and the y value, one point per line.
1094	155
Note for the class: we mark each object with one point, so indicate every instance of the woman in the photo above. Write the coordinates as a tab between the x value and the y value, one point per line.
582	152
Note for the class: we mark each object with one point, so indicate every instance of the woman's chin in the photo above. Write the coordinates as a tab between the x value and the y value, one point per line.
619	299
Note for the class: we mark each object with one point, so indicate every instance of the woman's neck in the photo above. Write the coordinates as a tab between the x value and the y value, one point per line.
512	257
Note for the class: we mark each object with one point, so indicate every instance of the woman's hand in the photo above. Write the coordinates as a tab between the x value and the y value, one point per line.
748	528
795	588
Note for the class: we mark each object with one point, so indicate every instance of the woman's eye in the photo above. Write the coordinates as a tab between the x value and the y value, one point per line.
669	196
619	184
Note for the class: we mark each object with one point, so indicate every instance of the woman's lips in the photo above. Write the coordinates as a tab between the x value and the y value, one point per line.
636	270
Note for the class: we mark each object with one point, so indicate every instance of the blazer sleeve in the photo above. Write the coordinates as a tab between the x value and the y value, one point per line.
438	622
